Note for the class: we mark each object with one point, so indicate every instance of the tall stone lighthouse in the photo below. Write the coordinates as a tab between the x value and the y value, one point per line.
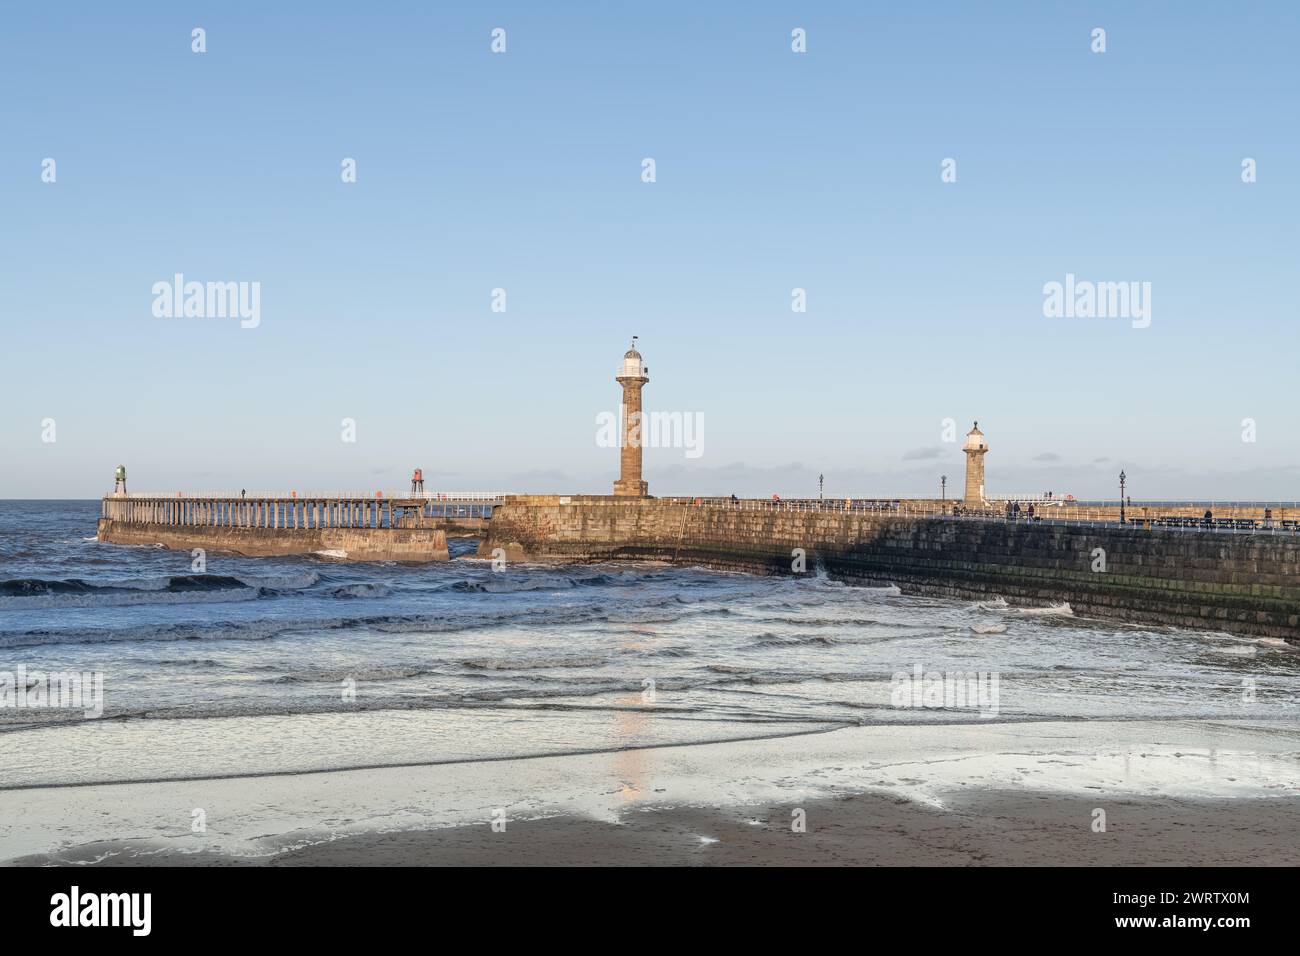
632	375
975	448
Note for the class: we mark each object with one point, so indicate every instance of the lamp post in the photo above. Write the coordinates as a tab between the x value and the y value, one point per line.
1122	479
821	487
943	487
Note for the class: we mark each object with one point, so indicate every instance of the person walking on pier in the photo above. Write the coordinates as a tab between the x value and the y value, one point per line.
243	493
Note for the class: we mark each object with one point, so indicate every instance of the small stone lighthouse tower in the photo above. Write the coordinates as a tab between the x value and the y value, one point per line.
632	375
119	481
975	448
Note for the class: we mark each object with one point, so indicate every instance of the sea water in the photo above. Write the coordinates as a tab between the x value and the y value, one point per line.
281	665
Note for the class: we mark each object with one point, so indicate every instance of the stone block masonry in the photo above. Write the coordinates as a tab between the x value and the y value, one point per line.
1238	583
352	544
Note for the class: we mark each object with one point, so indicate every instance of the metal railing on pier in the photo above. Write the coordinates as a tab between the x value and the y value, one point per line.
495	497
297	510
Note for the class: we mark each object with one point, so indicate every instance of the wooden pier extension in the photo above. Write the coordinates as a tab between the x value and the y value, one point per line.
344	526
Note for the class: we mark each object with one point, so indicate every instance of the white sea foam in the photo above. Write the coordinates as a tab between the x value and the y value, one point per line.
1274	642
1238	650
361	590
289	581
1053	610
136	584
889	590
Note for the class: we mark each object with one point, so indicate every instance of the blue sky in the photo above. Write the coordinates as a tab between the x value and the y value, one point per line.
775	170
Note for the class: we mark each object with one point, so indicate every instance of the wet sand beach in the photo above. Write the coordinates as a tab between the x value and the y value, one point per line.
990	829
992	795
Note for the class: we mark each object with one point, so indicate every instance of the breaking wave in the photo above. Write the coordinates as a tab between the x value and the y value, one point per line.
536	663
37	593
39	587
261	630
1053	610
770	639
360	591
24	593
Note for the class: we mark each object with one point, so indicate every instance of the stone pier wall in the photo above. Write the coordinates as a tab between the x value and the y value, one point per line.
1242	583
454	527
359	544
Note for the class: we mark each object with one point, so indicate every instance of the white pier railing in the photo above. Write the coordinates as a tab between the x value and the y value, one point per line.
297	510
475	496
